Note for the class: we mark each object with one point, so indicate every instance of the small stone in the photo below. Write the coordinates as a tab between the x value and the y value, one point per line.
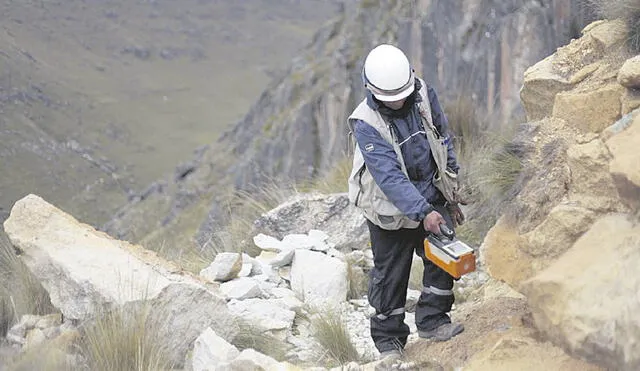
267	243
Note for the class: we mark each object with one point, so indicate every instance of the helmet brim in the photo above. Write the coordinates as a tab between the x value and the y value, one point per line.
396	97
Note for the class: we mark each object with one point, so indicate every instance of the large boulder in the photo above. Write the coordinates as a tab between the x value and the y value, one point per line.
588	300
307	212
318	278
590	110
87	272
546	84
570	66
577	159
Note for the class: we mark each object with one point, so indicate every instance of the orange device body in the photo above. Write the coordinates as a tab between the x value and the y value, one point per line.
454	257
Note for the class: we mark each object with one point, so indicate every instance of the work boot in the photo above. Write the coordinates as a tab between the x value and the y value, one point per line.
390	355
442	333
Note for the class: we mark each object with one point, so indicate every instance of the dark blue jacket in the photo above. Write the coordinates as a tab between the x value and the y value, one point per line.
415	195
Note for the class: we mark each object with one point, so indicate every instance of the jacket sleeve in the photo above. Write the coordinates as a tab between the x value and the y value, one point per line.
442	124
381	161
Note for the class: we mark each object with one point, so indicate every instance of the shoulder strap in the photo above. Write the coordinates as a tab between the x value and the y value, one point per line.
425	108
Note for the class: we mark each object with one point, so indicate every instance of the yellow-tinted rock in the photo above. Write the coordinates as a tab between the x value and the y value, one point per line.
590	110
629	74
557	233
588	300
503	254
592	186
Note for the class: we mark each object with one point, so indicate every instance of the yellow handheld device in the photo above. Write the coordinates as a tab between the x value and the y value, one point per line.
449	253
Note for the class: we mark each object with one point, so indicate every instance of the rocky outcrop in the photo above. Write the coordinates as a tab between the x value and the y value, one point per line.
572	235
277	296
305	212
87	273
569	177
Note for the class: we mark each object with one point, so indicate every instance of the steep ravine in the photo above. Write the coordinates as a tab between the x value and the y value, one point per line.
475	48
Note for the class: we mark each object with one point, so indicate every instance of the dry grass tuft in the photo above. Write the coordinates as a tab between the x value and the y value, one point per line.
332	335
334	181
119	340
250	337
626	10
490	165
242	208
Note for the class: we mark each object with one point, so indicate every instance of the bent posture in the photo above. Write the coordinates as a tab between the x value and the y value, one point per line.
401	185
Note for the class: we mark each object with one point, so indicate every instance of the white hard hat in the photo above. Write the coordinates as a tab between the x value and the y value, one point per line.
387	73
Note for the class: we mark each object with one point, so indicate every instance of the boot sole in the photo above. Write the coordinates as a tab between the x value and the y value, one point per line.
458	331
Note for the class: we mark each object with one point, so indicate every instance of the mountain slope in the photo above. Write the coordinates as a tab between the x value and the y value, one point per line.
295	131
100	99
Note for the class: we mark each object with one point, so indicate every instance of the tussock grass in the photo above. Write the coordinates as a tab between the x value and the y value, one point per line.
626	10
242	208
249	337
331	333
118	340
490	165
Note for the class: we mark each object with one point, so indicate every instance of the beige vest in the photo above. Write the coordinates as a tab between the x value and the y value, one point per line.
363	190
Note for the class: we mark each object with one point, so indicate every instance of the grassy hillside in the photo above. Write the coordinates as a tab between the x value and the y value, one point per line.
99	99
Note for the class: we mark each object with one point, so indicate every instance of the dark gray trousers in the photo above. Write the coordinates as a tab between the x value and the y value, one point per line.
389	279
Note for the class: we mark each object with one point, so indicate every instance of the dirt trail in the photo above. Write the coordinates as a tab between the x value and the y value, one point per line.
498	336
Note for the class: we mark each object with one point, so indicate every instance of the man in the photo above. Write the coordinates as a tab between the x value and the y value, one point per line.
395	181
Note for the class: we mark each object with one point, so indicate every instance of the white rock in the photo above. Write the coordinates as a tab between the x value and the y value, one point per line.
298	241
241	288
336	254
412	299
267	243
84	271
50	320
246	270
287	299
264	314
284	257
285	273
318	278
250	359
368	254
225	267
319	235
210	350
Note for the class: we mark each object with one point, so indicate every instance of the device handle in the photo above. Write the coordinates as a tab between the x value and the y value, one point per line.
446	231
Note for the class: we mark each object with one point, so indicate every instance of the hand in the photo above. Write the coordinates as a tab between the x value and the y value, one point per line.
457	217
432	222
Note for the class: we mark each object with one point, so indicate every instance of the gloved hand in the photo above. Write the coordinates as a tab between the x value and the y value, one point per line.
432	222
456	214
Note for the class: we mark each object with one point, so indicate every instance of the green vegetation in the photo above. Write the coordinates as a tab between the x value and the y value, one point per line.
333	337
626	10
490	165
